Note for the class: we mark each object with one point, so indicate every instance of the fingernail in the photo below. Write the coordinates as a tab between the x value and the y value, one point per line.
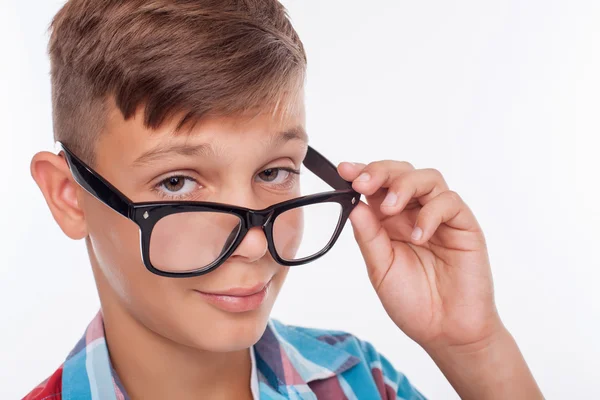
363	177
417	233
390	199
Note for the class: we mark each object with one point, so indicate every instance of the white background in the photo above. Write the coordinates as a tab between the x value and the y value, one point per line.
503	97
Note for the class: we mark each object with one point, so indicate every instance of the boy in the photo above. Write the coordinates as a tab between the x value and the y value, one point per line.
180	134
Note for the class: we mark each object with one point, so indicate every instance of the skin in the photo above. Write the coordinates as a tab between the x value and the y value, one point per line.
437	289
144	311
436	285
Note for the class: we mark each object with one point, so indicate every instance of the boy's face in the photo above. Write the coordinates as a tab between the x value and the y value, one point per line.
227	160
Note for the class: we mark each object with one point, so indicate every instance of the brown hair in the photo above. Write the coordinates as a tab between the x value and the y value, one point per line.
173	57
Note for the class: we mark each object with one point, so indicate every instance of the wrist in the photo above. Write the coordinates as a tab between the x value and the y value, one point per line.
479	349
490	368
472	340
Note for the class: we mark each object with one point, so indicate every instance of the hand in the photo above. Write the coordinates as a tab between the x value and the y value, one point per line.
436	286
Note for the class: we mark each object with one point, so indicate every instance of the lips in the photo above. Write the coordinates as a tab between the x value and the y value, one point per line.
238	300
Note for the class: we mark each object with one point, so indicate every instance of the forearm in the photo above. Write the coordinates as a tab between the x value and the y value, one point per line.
494	370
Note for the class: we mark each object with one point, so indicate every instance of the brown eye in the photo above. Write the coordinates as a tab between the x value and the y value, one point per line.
177	187
174	183
269	175
278	178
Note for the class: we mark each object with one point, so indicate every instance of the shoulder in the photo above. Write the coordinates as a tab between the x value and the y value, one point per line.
366	370
50	389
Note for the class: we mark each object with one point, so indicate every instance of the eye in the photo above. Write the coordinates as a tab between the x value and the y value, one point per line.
271	174
282	177
176	186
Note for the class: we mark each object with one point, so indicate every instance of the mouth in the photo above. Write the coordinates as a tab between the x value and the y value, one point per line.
238	300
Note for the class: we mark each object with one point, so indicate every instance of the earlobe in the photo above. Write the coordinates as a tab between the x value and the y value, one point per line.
62	194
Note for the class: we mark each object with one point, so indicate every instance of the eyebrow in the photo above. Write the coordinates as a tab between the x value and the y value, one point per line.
160	152
206	150
295	133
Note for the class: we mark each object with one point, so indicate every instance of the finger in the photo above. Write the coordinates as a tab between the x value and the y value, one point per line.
350	171
379	174
421	184
400	227
446	208
373	242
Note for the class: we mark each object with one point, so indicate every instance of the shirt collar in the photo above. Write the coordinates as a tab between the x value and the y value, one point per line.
287	359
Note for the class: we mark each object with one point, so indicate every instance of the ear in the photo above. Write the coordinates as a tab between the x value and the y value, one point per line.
62	193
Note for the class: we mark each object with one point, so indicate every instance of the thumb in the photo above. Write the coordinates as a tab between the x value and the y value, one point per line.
373	241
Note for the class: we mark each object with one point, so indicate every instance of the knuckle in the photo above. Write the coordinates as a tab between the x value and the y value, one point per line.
452	195
406	164
399	182
388	170
426	213
435	172
398	165
394	165
371	168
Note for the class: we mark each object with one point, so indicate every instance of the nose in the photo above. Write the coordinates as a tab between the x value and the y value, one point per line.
253	247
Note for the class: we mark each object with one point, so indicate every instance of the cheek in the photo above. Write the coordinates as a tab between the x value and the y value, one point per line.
123	280
114	245
277	283
287	232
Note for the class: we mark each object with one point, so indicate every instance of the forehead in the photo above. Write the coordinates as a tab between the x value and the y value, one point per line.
129	139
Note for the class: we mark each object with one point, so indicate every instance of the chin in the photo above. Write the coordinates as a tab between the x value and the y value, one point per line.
226	332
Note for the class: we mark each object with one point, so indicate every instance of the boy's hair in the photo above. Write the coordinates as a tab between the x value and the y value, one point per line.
176	58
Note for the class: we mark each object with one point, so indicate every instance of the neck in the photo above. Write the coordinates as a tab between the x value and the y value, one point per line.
151	366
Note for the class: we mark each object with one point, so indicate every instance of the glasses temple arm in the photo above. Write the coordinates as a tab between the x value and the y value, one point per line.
324	169
95	184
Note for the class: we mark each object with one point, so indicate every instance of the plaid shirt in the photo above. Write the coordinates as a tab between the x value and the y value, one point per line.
292	363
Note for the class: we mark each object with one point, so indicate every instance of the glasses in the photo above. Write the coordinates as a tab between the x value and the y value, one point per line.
191	238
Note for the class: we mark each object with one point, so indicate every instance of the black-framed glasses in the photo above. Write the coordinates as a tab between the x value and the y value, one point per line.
191	238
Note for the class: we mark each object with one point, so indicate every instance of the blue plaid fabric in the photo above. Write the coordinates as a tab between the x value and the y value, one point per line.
292	363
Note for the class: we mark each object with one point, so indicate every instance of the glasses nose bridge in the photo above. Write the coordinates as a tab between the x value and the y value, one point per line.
257	218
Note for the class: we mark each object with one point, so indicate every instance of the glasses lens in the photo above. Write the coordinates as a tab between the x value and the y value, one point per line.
304	231
191	241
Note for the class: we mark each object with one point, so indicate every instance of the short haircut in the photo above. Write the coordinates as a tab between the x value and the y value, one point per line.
185	59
